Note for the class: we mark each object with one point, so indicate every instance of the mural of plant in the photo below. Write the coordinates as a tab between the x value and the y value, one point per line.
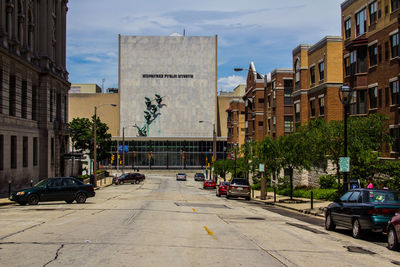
153	108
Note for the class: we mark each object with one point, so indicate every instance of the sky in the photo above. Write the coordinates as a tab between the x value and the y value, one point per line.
262	31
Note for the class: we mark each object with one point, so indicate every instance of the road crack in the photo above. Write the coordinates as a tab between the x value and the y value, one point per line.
21	231
55	258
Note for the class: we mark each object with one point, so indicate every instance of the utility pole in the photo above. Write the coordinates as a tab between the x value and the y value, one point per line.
123	149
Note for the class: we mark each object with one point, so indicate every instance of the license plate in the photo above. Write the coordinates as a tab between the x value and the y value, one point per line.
240	188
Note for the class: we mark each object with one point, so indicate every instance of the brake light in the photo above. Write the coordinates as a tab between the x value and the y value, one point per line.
383	211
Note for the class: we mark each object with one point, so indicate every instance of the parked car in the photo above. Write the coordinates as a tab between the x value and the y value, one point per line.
238	187
67	189
199	176
362	209
222	188
133	178
181	176
394	232
209	184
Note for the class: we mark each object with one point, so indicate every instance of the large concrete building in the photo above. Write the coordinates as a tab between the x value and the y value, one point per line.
168	94
33	91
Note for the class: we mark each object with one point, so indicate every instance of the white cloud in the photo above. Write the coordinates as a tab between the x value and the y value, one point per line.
229	83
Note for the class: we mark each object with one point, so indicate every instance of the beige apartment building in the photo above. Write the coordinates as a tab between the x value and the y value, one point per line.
316	80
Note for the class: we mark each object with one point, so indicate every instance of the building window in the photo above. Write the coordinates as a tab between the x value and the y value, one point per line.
312	74
34	102
51	106
25	151
394	41
1	91
35	151
361	22
24	99
347	65
373	97
373	55
321	67
321	106
312	108
297	74
52	151
13	152
395	134
387	96
288	124
394	4
288	88
353	103
12	96
372	13
1	152
297	112
353	62
347	28
260	123
362	105
394	86
379	98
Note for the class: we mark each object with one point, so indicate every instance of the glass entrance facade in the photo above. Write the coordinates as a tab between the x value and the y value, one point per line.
174	154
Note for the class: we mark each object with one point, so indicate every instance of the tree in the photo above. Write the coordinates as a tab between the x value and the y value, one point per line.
223	166
249	157
269	154
81	131
295	154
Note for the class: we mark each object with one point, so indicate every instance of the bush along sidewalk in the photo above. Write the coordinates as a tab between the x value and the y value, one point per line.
319	193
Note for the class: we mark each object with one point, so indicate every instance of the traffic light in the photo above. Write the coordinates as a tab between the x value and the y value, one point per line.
112	158
150	154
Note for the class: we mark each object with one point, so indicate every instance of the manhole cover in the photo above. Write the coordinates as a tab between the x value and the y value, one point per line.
304	227
359	250
255	218
202	205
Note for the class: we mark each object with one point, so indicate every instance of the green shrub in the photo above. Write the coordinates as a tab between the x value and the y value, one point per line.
83	177
319	193
327	181
256	186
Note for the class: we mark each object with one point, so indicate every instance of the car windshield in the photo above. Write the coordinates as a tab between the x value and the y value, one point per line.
124	175
225	183
42	183
200	174
240	182
382	197
181	174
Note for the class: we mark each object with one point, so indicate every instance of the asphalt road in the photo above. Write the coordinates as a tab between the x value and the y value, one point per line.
162	222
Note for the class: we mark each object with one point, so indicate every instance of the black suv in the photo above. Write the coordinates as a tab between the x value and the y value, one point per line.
199	176
133	178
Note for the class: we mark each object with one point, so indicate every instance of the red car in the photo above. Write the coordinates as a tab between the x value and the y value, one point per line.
209	184
222	188
394	232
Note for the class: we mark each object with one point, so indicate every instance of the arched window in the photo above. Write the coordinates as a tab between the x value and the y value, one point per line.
9	17
31	29
21	21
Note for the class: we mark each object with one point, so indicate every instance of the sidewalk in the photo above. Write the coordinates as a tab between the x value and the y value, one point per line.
100	184
298	204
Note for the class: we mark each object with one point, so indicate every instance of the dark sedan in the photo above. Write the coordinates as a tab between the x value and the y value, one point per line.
362	209
133	178
55	189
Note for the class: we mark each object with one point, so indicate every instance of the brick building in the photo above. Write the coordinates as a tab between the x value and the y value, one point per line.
279	104
236	118
370	31
317	78
33	91
254	105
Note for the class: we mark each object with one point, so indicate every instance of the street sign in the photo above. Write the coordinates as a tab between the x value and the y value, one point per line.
261	167
344	164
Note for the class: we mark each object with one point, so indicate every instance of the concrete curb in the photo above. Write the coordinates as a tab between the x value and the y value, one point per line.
305	211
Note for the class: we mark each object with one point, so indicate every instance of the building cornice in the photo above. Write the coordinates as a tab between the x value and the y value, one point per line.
323	86
346	4
323	42
301	47
281	70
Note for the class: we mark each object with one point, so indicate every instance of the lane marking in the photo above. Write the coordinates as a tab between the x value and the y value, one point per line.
194	210
208	231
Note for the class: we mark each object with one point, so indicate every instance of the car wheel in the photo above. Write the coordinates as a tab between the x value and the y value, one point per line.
80	198
33	199
356	231
69	201
329	224
247	198
392	241
227	196
218	195
121	182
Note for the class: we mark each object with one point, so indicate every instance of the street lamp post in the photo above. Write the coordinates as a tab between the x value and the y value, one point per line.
214	158
235	145
345	94
95	142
